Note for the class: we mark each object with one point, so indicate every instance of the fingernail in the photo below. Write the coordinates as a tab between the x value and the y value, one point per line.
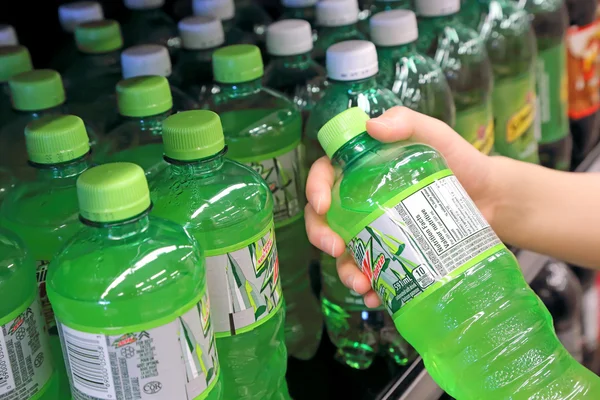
319	204
382	122
350	282
326	243
333	246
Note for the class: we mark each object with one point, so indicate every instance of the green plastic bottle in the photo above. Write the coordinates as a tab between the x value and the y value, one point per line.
13	61
463	57
151	59
455	292
236	233
292	69
299	9
550	21
129	291
378	6
43	212
224	10
7	183
336	22
147	23
252	18
144	103
200	37
352	69
510	41
34	94
414	77
23	334
262	130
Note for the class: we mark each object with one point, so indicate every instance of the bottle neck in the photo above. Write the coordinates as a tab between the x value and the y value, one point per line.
345	29
228	25
37	114
151	124
297	61
122	229
198	168
397	52
353	150
241	89
448	19
67	170
357	86
96	60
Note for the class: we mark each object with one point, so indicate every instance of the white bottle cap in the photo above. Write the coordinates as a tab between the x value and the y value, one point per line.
143	4
394	28
351	60
221	9
437	8
146	59
199	33
337	12
298	3
72	14
289	37
8	36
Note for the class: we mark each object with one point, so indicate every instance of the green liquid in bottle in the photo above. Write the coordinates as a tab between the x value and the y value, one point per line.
299	9
455	292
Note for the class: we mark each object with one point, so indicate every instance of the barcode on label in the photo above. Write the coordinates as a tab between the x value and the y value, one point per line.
89	363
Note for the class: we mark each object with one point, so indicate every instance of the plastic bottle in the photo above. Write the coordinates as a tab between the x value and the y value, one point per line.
262	129
34	94
455	292
252	18
299	9
550	22
143	320
144	103
70	15
200	37
43	212
292	69
8	35
414	77
7	183
560	290
463	57
225	11
149	24
336	22
237	236
152	59
352	81
23	333
510	41
14	59
378	6
583	77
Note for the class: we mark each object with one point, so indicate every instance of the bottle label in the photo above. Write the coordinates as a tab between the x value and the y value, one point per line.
476	125
41	274
552	91
284	177
244	284
25	360
583	74
176	360
514	110
428	232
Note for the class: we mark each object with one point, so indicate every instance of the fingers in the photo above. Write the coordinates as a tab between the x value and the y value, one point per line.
319	184
351	276
321	235
372	300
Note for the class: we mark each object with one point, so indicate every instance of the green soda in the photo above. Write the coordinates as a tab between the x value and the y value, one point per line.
144	103
336	22
378	6
147	23
23	333
200	37
292	69
455	292
43	212
34	95
152	59
252	18
129	292
352	70
228	208
7	183
550	22
299	9
462	55
414	77
224	10
14	59
262	130
510	41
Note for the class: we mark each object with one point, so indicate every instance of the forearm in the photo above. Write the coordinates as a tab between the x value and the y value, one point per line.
547	211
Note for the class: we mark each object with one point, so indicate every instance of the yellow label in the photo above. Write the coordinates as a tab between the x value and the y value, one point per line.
520	122
485	138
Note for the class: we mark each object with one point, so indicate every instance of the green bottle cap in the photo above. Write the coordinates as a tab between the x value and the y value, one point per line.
36	90
342	128
13	61
56	139
238	63
192	135
144	96
98	36
113	192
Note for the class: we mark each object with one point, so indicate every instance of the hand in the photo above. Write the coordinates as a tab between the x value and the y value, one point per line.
473	170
